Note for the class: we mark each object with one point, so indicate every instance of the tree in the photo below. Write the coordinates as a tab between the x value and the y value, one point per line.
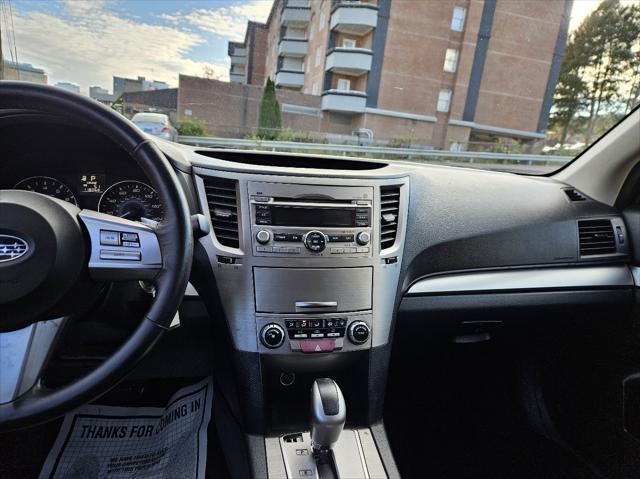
209	73
270	117
570	94
600	68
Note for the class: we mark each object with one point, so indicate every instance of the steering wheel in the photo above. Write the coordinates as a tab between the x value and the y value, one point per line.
52	253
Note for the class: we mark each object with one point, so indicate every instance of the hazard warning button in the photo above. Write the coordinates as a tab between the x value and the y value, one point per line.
317	345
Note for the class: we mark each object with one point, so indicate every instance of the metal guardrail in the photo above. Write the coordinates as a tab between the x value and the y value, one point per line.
375	150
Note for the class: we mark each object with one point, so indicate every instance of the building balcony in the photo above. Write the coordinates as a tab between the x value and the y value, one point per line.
295	16
236	77
349	61
344	101
290	78
354	18
238	59
293	47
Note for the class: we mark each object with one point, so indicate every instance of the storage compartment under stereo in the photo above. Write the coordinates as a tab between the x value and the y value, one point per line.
308	290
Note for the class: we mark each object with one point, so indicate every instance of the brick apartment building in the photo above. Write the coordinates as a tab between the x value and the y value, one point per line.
248	57
445	72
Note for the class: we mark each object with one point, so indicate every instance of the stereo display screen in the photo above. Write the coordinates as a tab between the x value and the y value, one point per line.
329	217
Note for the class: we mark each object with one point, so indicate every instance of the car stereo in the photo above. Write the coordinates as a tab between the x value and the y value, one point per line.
310	221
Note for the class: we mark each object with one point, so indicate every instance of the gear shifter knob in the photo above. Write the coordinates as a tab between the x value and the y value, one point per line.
328	414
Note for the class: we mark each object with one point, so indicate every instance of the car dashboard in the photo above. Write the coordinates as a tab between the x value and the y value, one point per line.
307	265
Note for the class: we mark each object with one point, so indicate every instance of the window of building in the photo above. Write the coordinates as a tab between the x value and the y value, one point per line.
451	60
318	53
298	33
344	84
340	119
348	43
312	30
444	100
290	63
314	88
321	23
457	21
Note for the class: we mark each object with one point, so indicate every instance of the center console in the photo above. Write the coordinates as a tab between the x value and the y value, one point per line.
307	271
316	265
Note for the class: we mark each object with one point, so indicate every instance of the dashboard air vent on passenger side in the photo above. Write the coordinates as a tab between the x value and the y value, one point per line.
389	211
574	195
222	198
596	237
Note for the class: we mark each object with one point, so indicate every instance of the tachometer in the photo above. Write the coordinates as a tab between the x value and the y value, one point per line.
132	200
48	186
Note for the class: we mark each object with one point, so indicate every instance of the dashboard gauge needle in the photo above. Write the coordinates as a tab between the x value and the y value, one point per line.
125	214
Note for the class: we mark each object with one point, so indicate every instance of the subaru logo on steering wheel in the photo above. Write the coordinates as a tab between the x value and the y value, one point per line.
12	248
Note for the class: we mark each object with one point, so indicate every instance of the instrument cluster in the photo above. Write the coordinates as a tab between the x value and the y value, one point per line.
125	198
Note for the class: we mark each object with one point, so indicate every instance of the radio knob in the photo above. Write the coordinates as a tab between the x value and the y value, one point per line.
263	236
272	336
358	332
363	238
315	241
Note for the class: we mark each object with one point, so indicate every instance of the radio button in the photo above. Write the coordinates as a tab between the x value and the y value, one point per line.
280	237
346	238
263	236
335	238
295	237
264	249
263	221
263	208
363	238
362	249
337	250
315	241
261	199
349	250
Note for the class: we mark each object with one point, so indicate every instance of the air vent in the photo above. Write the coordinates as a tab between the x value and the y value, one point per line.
596	237
222	198
389	211
575	195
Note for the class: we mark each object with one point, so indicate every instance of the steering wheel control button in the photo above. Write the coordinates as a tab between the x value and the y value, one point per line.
130	237
109	238
363	238
310	346
315	241
358	332
114	255
272	336
263	236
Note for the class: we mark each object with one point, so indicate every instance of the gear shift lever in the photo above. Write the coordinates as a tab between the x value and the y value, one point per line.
328	414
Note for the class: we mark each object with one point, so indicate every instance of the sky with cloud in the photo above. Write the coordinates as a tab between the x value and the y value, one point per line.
87	42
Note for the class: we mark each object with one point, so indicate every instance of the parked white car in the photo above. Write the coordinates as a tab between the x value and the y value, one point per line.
156	124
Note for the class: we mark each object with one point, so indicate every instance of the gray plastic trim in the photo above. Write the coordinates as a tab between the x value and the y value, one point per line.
525	279
23	354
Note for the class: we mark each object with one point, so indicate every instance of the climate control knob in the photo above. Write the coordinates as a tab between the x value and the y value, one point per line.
315	241
272	336
363	238
263	236
358	332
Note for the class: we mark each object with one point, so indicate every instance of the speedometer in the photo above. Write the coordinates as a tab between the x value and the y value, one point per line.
48	186
132	200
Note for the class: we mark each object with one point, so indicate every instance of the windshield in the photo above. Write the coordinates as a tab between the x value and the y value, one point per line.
519	86
149	118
